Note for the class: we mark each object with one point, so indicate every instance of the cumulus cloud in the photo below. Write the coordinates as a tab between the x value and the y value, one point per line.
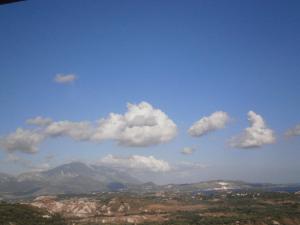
65	78
187	150
39	121
137	162
22	140
149	168
295	131
215	121
142	125
79	131
256	135
144	164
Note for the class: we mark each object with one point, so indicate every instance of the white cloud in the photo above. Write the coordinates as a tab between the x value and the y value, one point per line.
28	140
39	121
256	135
186	165
22	140
12	158
40	167
65	78
25	163
137	162
79	131
295	131
215	121
187	150
142	125
144	165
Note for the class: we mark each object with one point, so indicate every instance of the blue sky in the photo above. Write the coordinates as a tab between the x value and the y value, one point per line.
187	58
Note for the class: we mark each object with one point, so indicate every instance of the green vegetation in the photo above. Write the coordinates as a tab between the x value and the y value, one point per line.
169	208
253	208
19	214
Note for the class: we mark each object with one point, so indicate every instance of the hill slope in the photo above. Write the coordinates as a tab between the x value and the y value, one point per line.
74	177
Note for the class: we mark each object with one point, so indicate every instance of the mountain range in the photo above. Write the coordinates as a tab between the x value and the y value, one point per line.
79	178
75	177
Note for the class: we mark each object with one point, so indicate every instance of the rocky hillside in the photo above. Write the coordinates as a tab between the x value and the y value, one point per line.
74	177
175	208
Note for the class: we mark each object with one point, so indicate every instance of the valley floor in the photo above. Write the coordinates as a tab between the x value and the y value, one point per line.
166	208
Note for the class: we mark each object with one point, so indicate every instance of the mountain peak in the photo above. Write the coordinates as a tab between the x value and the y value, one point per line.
73	177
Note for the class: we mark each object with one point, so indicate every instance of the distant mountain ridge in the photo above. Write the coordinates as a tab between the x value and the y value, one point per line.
230	186
79	178
75	177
